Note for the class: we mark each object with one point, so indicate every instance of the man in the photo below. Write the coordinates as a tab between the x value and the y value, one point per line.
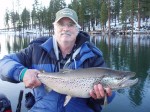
68	48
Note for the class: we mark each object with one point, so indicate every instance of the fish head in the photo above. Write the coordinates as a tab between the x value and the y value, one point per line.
119	80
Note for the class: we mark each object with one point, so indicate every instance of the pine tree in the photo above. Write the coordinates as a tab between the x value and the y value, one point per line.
103	14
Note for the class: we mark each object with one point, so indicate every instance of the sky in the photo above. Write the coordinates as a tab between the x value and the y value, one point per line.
9	4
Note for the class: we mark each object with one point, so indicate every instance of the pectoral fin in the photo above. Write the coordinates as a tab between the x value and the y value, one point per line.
105	98
47	88
67	99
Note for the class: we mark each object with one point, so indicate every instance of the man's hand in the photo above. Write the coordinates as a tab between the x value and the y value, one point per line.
30	78
99	92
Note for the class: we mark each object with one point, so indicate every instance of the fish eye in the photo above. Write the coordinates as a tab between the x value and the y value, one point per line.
119	78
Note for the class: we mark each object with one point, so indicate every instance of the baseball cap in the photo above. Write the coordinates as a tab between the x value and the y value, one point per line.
67	12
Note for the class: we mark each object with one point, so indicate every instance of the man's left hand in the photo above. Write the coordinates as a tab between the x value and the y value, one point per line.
99	92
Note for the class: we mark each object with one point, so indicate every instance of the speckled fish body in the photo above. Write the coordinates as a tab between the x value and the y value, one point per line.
78	83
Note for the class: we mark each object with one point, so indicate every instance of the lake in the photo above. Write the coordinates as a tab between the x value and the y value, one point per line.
120	53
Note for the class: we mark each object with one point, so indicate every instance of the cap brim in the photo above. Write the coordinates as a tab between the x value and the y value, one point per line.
71	19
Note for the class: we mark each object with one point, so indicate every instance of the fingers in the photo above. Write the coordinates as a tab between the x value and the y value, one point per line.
30	78
108	91
99	92
34	82
92	94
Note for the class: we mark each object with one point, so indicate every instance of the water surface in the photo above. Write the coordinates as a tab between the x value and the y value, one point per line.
120	53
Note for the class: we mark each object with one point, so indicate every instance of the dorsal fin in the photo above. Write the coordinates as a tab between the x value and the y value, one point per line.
65	71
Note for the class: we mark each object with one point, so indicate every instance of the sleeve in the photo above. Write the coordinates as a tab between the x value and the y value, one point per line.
11	65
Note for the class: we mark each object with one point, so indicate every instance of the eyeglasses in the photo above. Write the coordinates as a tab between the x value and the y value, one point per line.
70	24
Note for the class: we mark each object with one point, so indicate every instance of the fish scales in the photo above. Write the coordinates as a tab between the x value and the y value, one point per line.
78	87
78	83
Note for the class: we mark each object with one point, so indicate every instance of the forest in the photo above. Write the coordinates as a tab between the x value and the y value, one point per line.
91	13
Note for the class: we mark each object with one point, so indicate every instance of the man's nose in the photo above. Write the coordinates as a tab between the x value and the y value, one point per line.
66	27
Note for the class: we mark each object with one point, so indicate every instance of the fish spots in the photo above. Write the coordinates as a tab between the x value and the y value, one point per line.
79	83
119	78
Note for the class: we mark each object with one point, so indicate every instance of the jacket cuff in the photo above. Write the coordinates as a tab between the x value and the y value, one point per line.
22	73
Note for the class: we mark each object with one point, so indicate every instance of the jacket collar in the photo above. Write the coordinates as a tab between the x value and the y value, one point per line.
82	37
50	45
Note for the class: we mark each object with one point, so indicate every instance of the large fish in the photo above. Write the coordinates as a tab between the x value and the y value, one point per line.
78	83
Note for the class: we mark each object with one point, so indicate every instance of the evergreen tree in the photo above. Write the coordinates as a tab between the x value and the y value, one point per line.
54	6
33	17
145	8
7	19
126	9
116	10
90	13
14	19
25	17
103	14
44	18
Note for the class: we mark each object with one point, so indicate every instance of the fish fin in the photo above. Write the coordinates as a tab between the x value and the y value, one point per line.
105	98
67	99
42	71
47	88
65	70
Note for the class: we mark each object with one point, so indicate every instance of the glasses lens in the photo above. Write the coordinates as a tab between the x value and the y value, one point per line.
70	24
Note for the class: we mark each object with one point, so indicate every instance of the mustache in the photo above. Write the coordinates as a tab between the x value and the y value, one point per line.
66	33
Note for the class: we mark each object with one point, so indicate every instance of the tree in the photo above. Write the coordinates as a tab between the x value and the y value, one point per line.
109	28
33	17
37	9
77	6
7	19
116	10
125	12
133	10
25	17
14	19
92	12
145	8
44	15
90	15
103	14
54	6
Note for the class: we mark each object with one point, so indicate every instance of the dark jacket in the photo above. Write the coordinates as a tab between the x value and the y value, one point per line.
43	54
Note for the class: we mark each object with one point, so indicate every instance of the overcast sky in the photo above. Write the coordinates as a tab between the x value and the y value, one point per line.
8	4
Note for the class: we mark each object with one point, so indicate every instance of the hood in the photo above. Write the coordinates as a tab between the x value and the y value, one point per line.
82	37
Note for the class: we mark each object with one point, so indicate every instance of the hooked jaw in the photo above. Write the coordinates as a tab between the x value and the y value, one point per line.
127	82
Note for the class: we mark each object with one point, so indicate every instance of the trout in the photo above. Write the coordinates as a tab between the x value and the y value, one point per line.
79	82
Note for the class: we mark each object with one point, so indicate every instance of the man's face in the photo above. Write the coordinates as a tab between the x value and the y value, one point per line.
65	31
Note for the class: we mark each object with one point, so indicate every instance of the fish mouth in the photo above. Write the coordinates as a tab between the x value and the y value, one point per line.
127	82
130	74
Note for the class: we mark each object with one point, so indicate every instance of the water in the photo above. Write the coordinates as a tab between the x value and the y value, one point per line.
133	54
120	52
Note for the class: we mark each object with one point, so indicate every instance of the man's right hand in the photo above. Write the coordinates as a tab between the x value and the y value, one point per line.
30	78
